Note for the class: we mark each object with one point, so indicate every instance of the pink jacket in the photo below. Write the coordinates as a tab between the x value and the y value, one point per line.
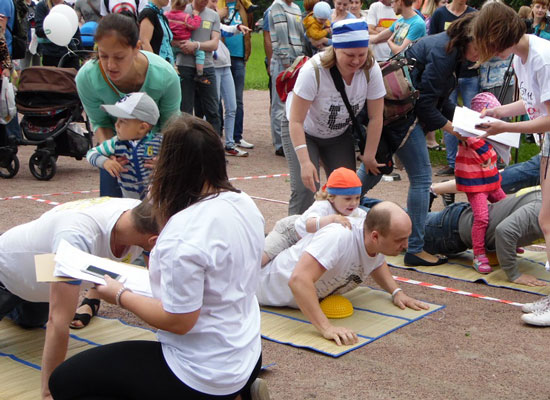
182	24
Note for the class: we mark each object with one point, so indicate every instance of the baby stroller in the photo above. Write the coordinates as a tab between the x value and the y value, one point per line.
52	118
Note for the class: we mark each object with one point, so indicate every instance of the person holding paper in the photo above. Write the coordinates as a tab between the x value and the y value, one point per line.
204	274
499	31
477	175
119	229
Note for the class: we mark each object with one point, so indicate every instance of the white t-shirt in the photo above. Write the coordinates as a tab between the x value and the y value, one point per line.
534	77
381	15
339	250
208	257
116	6
322	208
327	116
86	224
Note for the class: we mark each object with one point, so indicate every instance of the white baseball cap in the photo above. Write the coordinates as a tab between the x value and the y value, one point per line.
137	105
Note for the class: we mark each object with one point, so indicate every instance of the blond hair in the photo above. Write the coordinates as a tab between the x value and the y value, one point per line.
179	4
496	28
328	59
525	12
309	4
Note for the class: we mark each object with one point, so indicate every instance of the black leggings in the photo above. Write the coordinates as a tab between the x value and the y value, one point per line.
127	370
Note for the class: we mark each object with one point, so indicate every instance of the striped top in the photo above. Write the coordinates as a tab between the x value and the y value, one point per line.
287	31
476	167
135	181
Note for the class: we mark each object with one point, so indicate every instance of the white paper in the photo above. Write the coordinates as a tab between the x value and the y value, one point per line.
466	120
71	261
502	150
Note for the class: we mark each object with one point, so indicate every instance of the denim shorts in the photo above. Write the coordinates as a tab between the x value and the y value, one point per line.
441	231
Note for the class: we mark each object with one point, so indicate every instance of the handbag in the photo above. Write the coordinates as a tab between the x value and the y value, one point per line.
8	110
383	152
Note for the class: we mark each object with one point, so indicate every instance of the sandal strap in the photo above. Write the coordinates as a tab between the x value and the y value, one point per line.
84	318
92	303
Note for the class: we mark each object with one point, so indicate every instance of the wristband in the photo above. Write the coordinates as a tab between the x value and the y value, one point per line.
300	146
317	223
395	292
198	45
119	293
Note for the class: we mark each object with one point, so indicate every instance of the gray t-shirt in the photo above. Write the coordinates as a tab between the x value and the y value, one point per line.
84	7
210	21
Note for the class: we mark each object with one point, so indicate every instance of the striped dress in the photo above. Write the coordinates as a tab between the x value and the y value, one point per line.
471	175
135	181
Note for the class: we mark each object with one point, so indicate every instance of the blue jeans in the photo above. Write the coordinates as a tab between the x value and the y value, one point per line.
277	106
24	313
208	95
468	87
238	70
415	158
441	231
520	175
108	186
13	129
226	92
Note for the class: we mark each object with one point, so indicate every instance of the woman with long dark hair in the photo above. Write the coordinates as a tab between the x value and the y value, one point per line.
438	59
203	272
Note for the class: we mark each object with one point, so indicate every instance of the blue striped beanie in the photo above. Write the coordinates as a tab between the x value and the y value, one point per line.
350	33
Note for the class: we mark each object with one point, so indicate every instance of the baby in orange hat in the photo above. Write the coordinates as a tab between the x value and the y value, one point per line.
336	202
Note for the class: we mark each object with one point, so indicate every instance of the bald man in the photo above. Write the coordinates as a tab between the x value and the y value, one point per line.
336	260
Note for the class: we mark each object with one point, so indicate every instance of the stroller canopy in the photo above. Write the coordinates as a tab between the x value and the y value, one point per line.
48	79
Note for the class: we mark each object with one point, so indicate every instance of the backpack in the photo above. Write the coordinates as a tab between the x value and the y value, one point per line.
401	95
19	30
286	79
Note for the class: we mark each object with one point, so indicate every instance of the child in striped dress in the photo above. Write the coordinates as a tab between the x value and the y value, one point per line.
477	175
130	155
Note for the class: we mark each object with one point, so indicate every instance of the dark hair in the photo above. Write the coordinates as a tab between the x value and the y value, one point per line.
143	218
191	158
497	28
120	24
460	33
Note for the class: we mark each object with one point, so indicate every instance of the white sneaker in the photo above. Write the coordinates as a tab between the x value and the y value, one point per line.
258	390
236	152
244	144
538	305
539	318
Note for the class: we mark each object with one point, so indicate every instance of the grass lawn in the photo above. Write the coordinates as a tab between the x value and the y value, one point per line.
256	75
256	78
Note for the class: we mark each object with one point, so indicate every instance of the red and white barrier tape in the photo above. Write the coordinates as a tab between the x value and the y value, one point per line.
49	194
270	200
452	290
52	203
246	178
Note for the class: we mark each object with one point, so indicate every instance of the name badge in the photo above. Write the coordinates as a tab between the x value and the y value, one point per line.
206	24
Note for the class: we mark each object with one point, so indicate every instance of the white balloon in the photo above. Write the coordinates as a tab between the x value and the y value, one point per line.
58	29
68	12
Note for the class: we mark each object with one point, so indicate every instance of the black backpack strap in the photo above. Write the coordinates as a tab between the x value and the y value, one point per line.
339	84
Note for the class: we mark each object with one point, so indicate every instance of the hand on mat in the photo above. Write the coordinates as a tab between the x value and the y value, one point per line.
151	162
340	335
108	291
114	168
340	219
403	301
529	280
309	175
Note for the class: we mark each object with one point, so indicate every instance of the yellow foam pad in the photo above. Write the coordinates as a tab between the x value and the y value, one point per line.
336	306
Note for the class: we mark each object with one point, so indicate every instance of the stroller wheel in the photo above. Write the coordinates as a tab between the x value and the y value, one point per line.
9	166
42	166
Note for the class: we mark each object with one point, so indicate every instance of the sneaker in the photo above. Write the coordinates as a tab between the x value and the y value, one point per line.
280	152
258	390
236	152
448	199
244	144
446	171
536	306
481	264
539	318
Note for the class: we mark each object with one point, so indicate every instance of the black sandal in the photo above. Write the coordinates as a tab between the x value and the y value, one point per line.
85	318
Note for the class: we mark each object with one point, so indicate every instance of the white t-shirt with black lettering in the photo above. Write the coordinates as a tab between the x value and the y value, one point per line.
328	116
339	250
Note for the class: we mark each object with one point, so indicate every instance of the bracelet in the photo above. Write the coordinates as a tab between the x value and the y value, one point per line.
317	223
198	45
119	293
395	292
300	146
